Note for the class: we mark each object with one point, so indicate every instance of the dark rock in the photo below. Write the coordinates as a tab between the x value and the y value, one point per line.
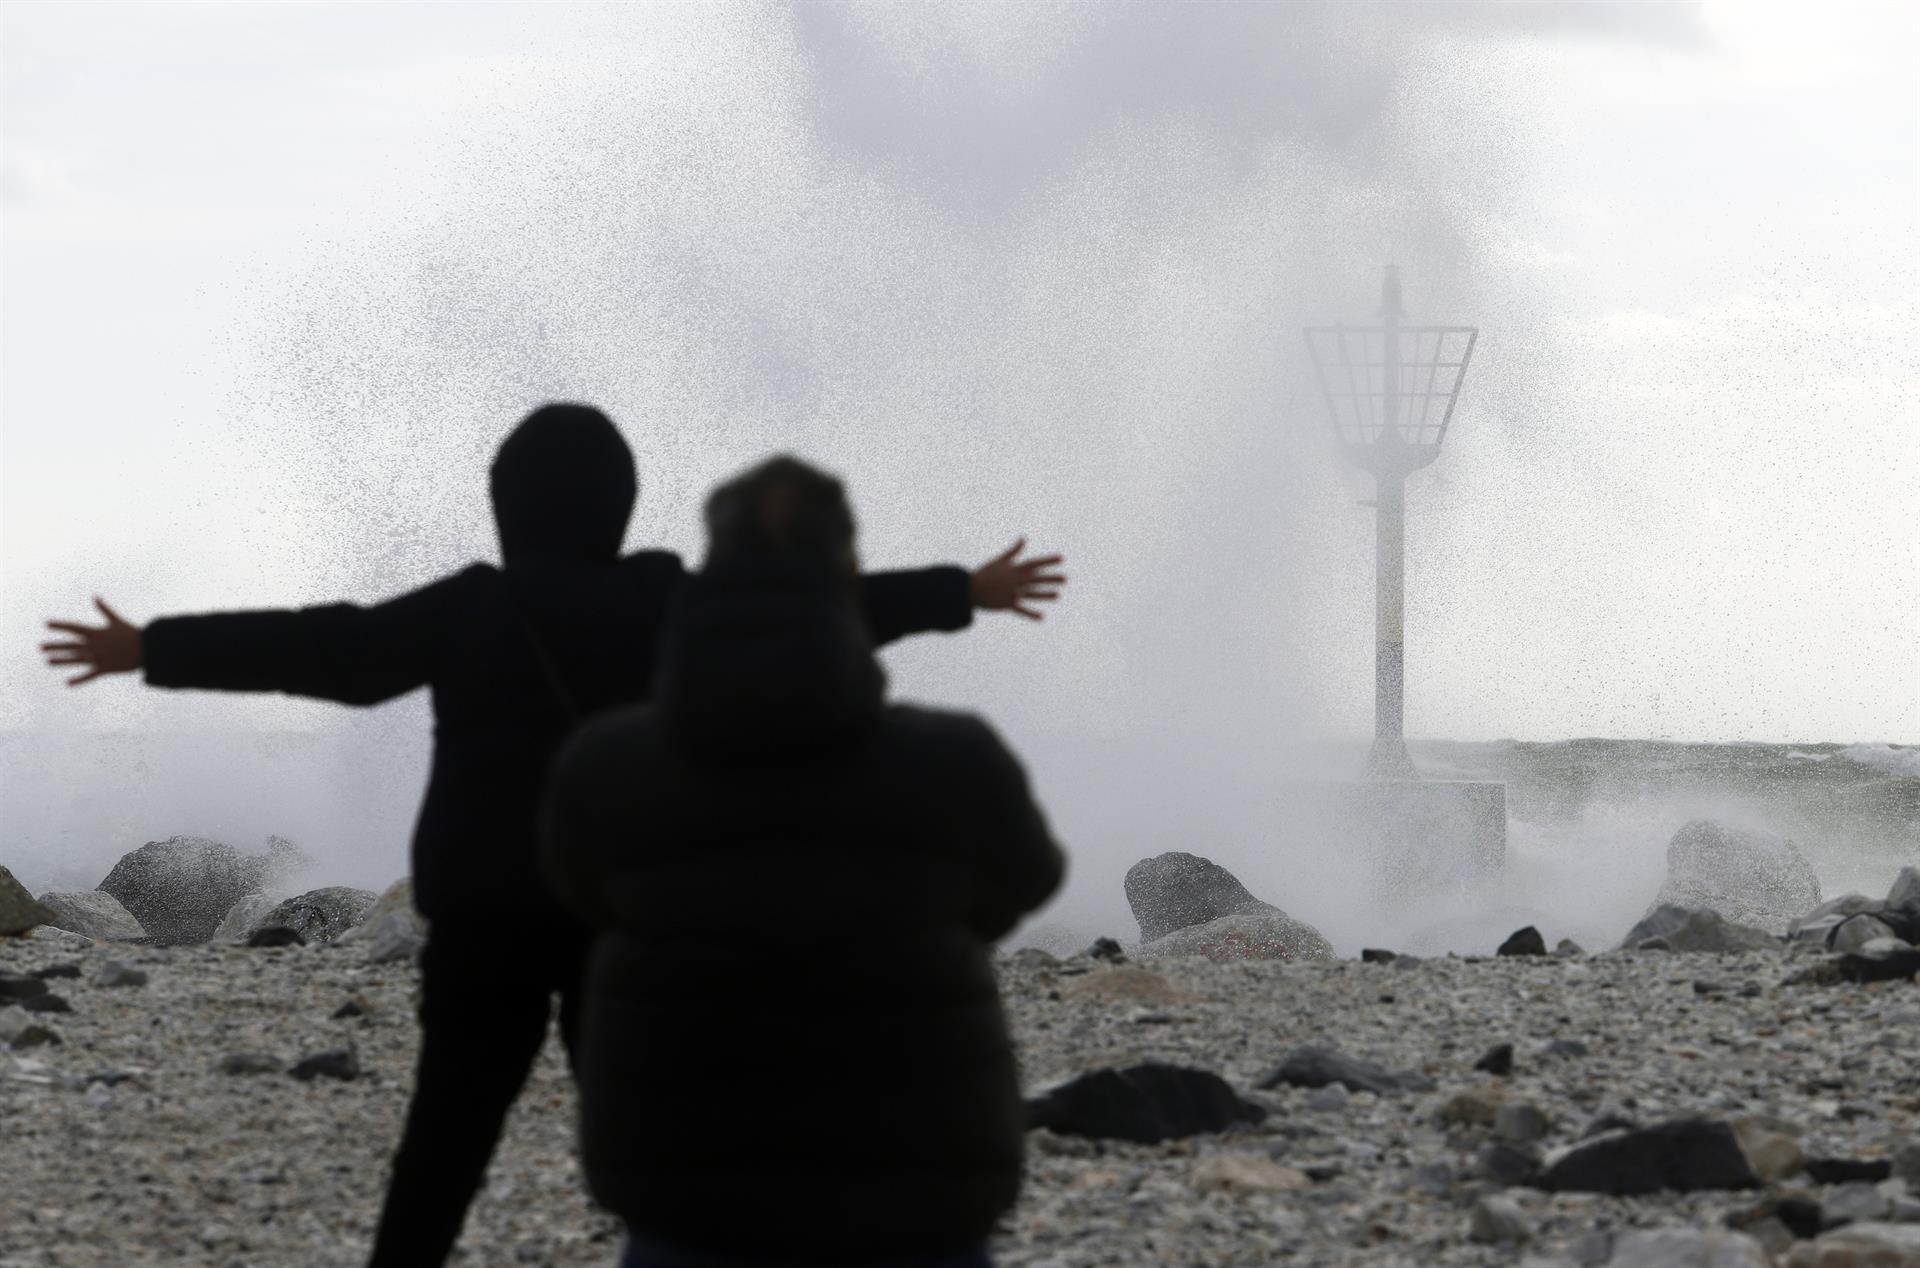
1244	938
1685	929
180	888
321	915
19	1032
1703	987
18	911
1144	1103
1374	955
53	971
333	1063
1849	1170
32	1037
276	936
48	1003
111	1078
1751	878
1507	1164
1566	1048
355	1007
1524	941
1314	1066
1406	962
94	913
1177	890
1893	966
1800	1216
15	987
119	973
1106	949
1496	1060
1683	1155
249	1063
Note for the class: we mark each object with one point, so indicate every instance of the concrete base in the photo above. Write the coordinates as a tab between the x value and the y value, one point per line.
1417	836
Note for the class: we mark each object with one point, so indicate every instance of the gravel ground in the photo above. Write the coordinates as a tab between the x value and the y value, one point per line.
171	1161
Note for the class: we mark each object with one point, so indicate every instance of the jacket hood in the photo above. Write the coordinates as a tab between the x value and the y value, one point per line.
758	663
563	484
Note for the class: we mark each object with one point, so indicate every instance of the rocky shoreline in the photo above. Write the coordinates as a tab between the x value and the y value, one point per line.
158	1121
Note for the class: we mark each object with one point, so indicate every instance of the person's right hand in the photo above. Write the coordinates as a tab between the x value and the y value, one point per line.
113	648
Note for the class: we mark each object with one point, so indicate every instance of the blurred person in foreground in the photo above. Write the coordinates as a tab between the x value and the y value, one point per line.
516	656
793	1050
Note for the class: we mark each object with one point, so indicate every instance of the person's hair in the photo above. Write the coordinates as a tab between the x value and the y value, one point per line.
785	513
563	483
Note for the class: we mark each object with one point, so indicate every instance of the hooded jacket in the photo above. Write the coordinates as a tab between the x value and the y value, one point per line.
792	1042
516	656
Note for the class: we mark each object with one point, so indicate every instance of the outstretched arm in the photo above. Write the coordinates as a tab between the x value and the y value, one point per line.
921	599
341	652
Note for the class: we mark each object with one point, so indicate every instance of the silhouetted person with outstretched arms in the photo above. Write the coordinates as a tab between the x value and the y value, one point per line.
516	657
792	1049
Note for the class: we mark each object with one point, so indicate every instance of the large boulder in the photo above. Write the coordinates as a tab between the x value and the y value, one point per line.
1250	937
1751	878
1699	929
393	928
1177	890
95	913
18	911
1818	925
181	888
320	915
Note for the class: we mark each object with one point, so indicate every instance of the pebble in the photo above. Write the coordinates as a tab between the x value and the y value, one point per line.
1496	1060
1497	1218
1520	1122
333	1063
1688	1248
119	973
1854	1203
1246	1173
290	1174
1860	1246
249	1063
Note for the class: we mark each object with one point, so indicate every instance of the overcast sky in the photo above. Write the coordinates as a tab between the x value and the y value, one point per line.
277	278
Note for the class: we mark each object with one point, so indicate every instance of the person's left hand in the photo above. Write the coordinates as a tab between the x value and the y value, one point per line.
1007	583
113	648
